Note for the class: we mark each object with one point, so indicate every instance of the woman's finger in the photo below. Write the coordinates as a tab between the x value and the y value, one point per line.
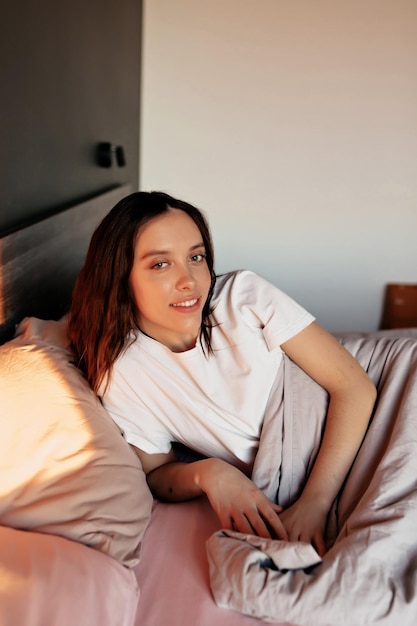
242	524
257	522
318	543
276	528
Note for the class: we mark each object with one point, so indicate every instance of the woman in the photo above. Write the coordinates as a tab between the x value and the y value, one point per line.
179	355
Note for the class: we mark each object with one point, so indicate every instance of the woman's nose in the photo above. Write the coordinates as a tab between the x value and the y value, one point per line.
185	278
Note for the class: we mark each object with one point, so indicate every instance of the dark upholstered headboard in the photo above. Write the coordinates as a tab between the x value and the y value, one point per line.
39	263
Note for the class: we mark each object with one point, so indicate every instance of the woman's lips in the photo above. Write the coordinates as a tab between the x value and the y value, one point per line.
189	305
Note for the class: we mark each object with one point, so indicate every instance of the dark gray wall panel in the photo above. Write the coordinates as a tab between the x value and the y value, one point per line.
70	78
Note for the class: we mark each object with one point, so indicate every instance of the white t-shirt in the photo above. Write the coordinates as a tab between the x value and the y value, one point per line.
213	404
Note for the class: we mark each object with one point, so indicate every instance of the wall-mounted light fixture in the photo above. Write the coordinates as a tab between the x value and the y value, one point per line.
106	152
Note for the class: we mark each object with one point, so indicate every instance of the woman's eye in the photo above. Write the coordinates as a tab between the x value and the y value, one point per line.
197	258
159	265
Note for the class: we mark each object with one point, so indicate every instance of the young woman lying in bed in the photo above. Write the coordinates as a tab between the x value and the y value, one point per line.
180	355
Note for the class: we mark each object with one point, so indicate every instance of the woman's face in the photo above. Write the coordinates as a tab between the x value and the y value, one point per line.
170	279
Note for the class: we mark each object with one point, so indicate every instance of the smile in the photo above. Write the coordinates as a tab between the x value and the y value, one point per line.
186	303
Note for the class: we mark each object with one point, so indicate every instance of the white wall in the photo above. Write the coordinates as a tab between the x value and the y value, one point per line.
293	125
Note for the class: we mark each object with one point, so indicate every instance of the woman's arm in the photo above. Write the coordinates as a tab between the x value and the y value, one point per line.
238	503
352	397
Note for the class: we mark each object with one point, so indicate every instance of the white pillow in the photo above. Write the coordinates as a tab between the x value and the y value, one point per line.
65	467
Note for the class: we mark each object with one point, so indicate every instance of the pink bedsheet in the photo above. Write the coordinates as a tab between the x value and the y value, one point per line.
173	573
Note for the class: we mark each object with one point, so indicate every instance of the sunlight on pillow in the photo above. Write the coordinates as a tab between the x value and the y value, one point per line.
65	466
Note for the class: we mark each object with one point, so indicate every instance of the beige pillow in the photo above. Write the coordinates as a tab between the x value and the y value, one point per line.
65	468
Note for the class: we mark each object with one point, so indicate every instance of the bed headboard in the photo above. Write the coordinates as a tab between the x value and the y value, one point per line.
40	262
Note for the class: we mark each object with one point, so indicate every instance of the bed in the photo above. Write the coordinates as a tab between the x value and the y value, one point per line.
83	542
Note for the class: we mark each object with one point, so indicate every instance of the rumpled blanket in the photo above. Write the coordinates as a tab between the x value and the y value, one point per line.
369	573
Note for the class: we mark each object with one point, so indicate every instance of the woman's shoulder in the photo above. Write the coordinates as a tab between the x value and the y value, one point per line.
239	290
246	291
236	279
243	285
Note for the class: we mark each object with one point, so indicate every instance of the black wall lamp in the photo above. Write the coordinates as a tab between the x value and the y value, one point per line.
106	152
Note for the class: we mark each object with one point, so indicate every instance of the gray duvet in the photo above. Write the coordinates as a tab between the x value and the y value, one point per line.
369	573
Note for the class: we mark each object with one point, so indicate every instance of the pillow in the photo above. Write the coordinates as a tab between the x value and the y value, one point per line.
65	467
47	580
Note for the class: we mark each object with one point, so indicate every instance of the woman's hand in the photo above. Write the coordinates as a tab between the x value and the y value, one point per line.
236	500
238	503
306	521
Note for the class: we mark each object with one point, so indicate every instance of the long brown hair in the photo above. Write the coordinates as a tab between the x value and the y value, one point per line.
102	313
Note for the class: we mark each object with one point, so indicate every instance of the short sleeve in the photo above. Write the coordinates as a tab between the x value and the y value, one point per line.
264	306
138	426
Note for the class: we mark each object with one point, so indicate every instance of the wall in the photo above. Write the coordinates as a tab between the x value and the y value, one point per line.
293	125
70	78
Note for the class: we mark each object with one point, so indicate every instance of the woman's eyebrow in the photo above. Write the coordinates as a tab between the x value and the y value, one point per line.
151	253
198	245
145	255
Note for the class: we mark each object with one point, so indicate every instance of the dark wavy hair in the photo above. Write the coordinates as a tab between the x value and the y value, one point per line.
102	312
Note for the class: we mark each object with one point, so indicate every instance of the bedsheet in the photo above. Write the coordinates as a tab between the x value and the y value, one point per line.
369	573
173	575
